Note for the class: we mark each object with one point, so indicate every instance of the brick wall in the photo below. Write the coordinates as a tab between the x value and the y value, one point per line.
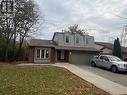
31	55
53	55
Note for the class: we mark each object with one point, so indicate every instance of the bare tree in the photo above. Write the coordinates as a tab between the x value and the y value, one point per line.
6	23
75	29
17	21
123	36
26	18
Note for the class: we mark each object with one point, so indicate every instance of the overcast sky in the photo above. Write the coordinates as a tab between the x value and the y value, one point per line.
98	16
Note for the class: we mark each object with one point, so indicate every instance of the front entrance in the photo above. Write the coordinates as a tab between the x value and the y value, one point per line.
62	56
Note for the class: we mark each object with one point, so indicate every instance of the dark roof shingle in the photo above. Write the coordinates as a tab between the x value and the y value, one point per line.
110	46
38	42
77	48
105	44
50	43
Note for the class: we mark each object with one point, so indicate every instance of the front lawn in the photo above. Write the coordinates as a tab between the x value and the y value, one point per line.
43	80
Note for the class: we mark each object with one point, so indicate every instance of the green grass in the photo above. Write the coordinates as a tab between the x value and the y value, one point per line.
43	80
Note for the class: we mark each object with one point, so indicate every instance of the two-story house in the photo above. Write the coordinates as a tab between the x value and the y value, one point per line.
64	47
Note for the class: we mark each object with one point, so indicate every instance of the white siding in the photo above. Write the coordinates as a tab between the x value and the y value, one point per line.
60	39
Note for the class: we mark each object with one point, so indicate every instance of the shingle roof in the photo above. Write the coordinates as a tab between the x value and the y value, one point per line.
110	46
55	34
38	42
49	43
105	44
77	48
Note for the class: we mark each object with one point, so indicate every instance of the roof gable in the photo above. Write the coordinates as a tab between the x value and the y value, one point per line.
106	45
110	46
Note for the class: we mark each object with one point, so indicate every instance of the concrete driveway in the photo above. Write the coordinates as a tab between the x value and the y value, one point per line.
120	78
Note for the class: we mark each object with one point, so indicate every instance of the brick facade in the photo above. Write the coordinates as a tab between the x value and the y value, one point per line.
31	55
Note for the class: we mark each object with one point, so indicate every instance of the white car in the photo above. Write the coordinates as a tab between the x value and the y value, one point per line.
109	62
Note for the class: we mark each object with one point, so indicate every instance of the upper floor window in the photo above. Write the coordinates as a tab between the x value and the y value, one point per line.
77	40
87	41
42	53
67	39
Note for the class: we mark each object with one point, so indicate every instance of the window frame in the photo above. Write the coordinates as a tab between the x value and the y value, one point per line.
38	56
87	42
43	53
104	58
77	40
67	39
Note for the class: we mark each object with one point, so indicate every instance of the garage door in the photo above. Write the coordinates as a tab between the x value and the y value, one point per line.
81	57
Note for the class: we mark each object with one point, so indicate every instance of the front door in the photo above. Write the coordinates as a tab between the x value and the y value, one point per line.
61	55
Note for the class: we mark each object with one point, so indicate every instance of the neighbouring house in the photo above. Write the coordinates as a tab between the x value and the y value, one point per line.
64	47
106	48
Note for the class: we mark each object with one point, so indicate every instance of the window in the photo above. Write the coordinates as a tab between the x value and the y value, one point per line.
114	58
47	54
67	39
104	58
87	41
42	54
38	53
77	40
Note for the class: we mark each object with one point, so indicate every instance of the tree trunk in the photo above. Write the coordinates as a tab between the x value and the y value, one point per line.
6	50
19	49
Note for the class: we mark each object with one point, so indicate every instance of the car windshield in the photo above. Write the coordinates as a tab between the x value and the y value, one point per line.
113	58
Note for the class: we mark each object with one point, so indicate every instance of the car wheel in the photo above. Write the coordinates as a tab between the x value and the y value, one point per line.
114	69
93	64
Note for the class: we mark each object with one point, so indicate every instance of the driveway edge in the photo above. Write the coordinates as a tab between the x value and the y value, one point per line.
100	82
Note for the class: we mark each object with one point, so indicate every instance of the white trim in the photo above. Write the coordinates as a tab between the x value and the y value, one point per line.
40	51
